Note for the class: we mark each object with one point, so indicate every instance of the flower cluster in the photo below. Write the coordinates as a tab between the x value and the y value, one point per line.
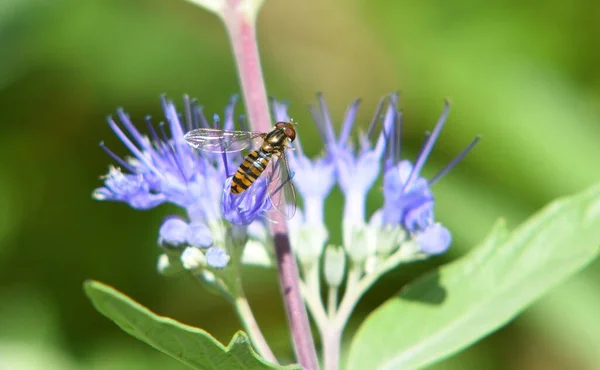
163	168
406	219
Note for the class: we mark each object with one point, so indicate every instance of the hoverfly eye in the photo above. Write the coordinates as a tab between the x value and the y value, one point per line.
290	132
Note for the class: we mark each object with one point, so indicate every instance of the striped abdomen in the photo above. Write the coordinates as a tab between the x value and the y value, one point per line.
253	165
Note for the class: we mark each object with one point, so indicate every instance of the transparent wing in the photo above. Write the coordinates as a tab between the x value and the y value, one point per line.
221	141
281	189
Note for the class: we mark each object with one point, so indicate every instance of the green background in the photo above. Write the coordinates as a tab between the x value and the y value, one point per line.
524	75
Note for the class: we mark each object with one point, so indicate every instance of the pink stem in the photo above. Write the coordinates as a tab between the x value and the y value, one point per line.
242	34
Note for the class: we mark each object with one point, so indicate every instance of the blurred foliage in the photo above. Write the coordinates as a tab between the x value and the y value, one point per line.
522	74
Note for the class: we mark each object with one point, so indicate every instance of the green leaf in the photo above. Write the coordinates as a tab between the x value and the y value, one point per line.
451	308
192	346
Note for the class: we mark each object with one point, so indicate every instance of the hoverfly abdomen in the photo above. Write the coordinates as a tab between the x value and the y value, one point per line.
251	168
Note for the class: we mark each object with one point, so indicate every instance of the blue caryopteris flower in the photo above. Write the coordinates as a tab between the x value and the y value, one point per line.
404	225
163	168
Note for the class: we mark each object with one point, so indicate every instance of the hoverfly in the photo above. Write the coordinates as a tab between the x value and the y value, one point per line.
272	144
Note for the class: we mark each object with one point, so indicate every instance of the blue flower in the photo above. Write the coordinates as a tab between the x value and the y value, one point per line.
175	232
128	188
163	168
355	168
314	180
245	208
408	200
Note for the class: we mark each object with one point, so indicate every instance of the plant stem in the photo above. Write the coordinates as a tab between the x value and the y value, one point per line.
332	338
332	297
242	34
245	313
296	311
315	306
240	24
240	302
354	275
353	295
231	289
356	286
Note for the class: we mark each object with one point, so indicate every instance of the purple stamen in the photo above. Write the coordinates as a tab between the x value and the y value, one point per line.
242	122
163	103
349	119
137	136
187	108
176	128
116	158
216	121
229	113
175	122
202	122
153	134
398	136
224	156
394	138
376	117
388	121
163	132
316	115
424	143
167	149
172	152
134	149
328	125
427	148
454	162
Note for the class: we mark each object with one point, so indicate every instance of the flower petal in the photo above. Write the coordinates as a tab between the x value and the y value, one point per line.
435	239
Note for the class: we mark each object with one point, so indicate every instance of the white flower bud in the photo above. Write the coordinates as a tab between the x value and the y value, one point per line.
255	253
193	259
308	242
385	238
357	242
334	265
168	266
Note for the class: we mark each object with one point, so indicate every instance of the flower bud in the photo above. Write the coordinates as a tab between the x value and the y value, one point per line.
256	254
308	242
193	259
357	243
217	258
168	265
173	233
334	265
435	239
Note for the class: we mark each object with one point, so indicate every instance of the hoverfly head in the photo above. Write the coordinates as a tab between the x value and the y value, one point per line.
288	129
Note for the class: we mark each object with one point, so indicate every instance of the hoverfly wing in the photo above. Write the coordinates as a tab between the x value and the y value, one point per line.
281	189
221	141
